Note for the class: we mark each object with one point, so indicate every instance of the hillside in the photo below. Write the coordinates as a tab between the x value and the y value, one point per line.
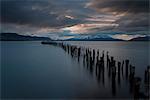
146	38
17	37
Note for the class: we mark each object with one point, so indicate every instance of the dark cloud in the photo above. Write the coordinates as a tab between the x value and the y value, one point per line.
34	13
94	16
134	22
136	13
132	6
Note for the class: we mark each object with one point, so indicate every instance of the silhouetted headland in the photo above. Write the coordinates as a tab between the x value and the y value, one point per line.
146	38
17	37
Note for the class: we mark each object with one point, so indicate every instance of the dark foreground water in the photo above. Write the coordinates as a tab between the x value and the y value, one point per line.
33	70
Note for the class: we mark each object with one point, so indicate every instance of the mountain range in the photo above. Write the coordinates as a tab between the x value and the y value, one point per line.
17	37
107	38
94	39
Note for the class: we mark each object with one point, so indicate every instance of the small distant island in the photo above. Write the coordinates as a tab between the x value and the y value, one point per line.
17	37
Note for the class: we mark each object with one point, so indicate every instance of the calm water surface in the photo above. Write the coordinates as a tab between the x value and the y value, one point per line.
32	70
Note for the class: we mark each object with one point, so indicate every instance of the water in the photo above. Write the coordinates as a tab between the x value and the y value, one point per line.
32	70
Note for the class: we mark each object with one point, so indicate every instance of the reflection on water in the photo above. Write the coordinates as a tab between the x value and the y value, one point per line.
86	70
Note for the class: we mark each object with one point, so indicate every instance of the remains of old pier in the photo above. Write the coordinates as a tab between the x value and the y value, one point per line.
116	70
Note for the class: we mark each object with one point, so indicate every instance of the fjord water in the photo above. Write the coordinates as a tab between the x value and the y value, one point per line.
32	70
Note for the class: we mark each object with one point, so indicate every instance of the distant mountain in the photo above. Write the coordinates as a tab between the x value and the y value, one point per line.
17	37
94	39
146	38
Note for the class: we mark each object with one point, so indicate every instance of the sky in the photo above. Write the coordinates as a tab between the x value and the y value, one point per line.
63	19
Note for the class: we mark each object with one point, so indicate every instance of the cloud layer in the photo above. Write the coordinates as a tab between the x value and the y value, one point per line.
75	16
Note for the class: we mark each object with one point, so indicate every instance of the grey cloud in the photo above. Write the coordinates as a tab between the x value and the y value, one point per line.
132	6
36	13
51	14
134	22
136	16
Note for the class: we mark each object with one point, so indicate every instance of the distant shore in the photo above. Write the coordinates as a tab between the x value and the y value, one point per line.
17	37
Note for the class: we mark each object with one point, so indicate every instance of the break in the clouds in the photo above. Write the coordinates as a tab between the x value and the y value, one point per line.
75	16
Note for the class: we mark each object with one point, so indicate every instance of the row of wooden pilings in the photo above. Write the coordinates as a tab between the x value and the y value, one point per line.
115	69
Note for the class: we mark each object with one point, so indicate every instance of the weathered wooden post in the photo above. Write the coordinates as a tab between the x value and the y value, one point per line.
131	78
93	55
137	84
103	53
107	59
119	65
127	65
97	52
113	80
122	68
147	81
79	52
